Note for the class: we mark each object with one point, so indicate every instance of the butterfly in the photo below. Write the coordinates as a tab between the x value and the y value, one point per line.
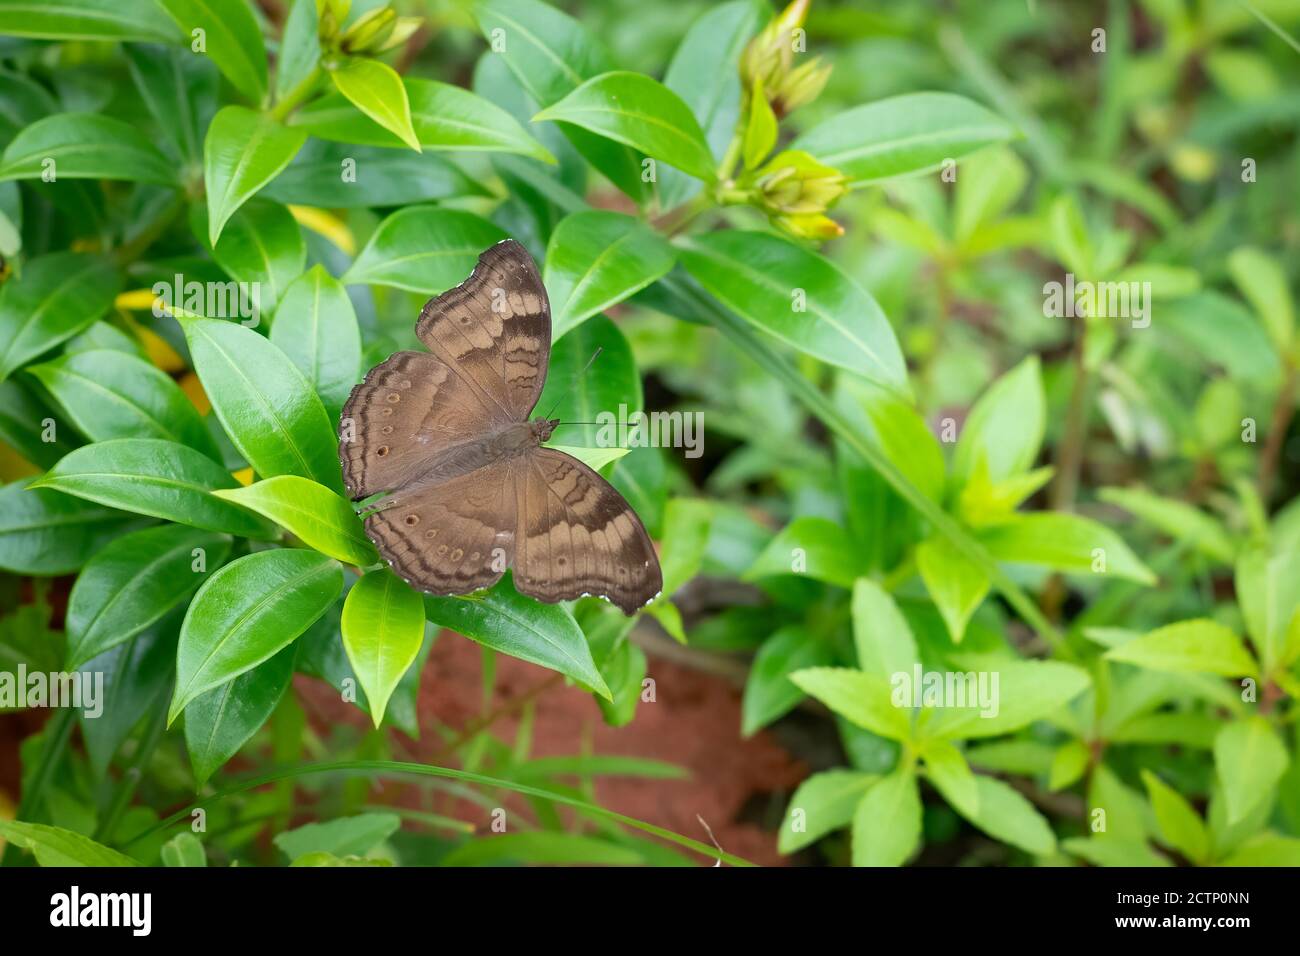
469	488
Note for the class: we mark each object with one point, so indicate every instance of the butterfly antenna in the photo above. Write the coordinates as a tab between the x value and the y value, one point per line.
594	356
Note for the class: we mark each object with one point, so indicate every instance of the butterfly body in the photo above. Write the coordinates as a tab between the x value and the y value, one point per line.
469	488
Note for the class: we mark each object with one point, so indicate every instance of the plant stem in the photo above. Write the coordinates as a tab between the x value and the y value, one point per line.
134	773
295	97
129	251
57	732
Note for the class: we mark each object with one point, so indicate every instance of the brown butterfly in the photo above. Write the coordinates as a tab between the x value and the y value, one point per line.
470	489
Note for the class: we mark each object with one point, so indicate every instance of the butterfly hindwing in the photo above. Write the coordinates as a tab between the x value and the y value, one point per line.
577	535
409	408
495	328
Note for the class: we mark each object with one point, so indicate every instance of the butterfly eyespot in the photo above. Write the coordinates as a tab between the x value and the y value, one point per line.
393	398
388	411
457	554
431	533
412	520
381	451
442	549
387	429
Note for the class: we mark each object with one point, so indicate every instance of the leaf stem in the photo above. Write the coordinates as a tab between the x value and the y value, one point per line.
295	97
134	773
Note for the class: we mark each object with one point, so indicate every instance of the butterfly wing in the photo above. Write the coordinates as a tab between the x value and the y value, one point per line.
577	535
409	408
494	329
452	537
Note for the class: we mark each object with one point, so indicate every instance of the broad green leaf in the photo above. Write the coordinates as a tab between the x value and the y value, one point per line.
316	327
232	39
443	117
1004	430
375	89
54	846
220	721
1261	279
320	518
264	403
506	621
84	146
1268	591
913	133
134	581
606	393
424	249
299	51
46	533
816	547
1069	764
951	775
383	628
996	695
760	128
56	297
1070	238
246	613
180	90
1100	851
801	298
1266	849
887	821
881	636
1065	542
1223	333
897	429
157	478
23	101
989	183
262	247
543	847
685	539
1180	826
110	394
956	585
1175	518
862	699
1008	817
1189	647
383	177
184	849
596	259
1249	759
823	803
768	691
86	20
136	673
637	111
346	836
242	152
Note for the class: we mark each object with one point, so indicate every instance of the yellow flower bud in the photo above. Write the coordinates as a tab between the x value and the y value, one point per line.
370	32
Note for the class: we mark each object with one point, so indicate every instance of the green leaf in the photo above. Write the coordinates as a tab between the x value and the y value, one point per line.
180	90
1189	647
1175	518
1263	282
768	691
110	394
265	405
956	585
262	247
883	641
951	775
425	249
54	846
506	621
383	628
84	146
640	112
816	547
1065	542
1007	816
1004	431
136	674
86	20
1069	236
596	259
1268	591
543	847
376	89
887	821
184	849
1249	760
862	699
133	582
246	613
1019	692
384	177
46	533
316	327
601	393
902	135
320	518
1100	851
1181	827
57	296
220	721
801	298
686	526
157	478
1069	764
347	836
823	803
243	151
299	47
760	128
233	40
1266	849
443	117
897	429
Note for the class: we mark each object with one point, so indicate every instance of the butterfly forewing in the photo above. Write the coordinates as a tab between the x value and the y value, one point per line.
495	328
